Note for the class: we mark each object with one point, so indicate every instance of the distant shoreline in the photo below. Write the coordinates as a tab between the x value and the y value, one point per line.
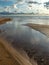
23	15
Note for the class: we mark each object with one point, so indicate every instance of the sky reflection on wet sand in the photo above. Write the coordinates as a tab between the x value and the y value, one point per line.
24	37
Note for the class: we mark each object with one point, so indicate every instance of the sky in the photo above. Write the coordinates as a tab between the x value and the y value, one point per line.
42	1
24	6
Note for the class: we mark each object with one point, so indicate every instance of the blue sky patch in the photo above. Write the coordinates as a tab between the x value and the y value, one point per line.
6	3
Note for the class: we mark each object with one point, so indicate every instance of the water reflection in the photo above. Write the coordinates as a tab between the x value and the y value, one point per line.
32	41
17	33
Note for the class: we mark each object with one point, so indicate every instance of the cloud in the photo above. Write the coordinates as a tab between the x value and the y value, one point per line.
43	10
46	4
33	2
19	1
25	6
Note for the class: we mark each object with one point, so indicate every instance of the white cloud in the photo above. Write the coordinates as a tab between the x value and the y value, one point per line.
42	1
19	1
43	10
21	6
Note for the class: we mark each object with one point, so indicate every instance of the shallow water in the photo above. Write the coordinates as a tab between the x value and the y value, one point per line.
25	37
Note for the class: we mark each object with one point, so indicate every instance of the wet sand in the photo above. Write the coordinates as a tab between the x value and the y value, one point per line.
39	27
5	57
10	56
4	20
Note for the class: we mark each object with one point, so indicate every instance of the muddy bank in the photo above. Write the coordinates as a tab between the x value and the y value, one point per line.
4	20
